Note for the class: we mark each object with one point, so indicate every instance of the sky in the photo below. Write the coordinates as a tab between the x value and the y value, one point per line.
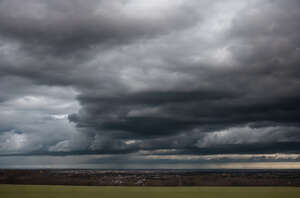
149	84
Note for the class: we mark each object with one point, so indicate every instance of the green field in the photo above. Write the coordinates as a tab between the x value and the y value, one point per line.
27	191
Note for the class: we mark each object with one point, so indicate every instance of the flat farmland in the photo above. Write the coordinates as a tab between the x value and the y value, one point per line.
38	191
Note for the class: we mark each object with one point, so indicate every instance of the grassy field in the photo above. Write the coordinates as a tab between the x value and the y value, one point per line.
27	191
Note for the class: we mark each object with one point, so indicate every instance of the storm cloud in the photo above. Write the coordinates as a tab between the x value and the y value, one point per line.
134	78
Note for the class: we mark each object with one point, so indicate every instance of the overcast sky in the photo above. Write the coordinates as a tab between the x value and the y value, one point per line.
150	84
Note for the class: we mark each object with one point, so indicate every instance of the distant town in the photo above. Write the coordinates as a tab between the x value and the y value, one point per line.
153	177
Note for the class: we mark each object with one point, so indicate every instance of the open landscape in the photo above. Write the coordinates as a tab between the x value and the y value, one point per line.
206	183
150	99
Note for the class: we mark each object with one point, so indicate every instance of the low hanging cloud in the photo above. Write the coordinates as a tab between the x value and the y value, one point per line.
124	77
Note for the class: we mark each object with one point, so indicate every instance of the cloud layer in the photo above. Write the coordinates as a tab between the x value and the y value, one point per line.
130	76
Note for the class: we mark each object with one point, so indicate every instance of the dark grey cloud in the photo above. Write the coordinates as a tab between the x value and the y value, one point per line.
260	86
123	77
66	27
